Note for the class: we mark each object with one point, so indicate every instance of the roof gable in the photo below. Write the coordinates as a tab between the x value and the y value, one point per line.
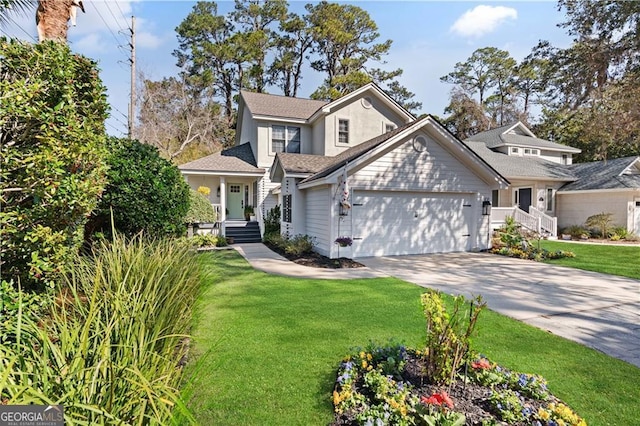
358	153
517	134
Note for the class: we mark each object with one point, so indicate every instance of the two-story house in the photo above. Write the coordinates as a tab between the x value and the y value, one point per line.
547	191
412	187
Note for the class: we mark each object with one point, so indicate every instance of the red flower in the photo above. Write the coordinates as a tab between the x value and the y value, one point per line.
482	364
438	399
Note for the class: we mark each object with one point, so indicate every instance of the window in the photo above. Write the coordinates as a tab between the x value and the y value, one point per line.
494	198
343	131
549	199
234	188
286	208
529	151
389	127
515	150
285	139
565	159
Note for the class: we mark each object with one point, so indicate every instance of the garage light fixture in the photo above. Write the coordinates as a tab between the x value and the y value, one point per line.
486	208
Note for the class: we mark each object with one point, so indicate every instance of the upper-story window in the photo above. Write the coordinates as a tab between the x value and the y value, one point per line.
529	151
389	127
565	159
515	150
343	131
285	139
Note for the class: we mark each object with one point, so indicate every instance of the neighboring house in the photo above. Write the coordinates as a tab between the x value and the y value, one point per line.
547	185
413	186
611	186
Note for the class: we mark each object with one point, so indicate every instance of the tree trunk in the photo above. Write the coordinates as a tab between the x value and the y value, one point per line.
51	19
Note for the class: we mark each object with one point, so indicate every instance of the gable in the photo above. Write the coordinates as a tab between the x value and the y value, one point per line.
432	132
410	167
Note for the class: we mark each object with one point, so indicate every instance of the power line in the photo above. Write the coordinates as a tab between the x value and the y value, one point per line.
122	13
23	30
114	17
118	42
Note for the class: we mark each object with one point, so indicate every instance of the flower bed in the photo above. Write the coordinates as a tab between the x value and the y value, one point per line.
387	386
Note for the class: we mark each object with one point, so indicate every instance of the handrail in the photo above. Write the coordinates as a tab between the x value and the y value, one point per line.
548	224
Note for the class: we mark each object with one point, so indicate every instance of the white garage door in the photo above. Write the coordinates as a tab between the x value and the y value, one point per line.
394	223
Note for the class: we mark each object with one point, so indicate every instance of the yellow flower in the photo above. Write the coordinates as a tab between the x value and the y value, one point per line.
403	410
364	364
369	368
362	355
369	357
543	414
560	422
336	398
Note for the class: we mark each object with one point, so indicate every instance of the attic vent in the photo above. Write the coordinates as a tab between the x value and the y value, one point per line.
366	102
420	143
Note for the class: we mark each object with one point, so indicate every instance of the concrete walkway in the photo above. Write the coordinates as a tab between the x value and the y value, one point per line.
598	310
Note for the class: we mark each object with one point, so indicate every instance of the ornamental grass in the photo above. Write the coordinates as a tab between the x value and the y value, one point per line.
109	350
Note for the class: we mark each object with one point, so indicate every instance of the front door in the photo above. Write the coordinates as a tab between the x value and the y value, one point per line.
524	199
235	197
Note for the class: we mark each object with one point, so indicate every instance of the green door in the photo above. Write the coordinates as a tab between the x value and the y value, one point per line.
234	201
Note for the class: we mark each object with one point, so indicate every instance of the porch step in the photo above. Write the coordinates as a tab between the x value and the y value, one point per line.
243	232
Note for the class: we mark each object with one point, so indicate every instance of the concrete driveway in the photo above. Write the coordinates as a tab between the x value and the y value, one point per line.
598	310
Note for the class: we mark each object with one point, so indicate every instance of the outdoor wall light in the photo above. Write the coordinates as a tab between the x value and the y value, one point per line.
541	199
218	192
486	208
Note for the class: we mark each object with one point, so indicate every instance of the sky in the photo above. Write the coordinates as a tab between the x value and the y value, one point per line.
429	38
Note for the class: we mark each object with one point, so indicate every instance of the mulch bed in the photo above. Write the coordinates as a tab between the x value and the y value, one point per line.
316	260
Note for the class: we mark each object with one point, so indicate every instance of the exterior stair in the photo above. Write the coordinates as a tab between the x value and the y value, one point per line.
242	231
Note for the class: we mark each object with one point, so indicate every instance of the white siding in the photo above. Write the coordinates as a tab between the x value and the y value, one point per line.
364	124
266	200
574	209
405	169
317	218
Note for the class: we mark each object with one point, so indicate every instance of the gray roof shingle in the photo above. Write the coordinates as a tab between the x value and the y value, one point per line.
513	167
280	106
604	175
237	159
303	163
497	137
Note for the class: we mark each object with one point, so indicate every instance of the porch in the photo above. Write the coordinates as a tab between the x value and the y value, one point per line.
535	220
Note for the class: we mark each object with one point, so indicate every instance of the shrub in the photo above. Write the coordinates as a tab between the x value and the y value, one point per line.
111	347
52	144
299	245
272	221
146	193
620	232
207	240
200	209
576	231
448	334
601	222
275	240
510	234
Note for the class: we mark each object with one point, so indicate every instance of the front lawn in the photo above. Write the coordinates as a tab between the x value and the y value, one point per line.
608	259
266	348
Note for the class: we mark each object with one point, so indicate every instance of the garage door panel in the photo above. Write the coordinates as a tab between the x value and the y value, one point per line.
409	223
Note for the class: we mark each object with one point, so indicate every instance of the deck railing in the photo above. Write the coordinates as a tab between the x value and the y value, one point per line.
535	220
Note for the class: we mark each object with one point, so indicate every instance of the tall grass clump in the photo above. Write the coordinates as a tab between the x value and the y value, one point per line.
110	348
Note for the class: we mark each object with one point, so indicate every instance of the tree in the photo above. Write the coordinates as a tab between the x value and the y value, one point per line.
344	39
254	37
52	141
14	6
466	116
145	193
181	120
208	53
292	46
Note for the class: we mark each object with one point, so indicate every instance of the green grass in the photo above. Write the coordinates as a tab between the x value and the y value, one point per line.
609	259
266	347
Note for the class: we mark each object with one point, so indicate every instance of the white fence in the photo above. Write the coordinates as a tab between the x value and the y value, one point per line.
535	220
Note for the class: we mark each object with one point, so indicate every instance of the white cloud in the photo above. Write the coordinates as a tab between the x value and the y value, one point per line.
91	44
148	40
482	20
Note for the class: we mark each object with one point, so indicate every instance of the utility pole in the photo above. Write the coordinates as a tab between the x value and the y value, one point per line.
132	103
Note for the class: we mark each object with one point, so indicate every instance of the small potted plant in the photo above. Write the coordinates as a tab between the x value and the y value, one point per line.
248	213
344	241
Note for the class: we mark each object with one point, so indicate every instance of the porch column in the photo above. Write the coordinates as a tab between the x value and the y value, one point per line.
223	204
